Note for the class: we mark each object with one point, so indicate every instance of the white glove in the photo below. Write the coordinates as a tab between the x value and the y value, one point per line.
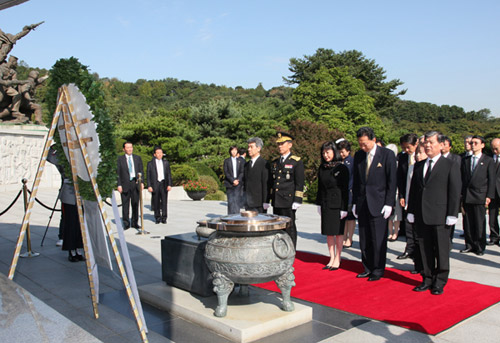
295	206
450	220
354	211
410	217
319	209
343	214
386	211
265	205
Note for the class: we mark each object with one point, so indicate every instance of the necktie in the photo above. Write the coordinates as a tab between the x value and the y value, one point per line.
130	170
282	160
474	161
368	164
428	173
498	159
412	160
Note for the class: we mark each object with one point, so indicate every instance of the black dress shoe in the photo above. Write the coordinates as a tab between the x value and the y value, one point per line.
466	250
363	274
126	228
479	253
164	221
72	258
422	287
437	291
80	257
491	243
403	256
374	278
157	221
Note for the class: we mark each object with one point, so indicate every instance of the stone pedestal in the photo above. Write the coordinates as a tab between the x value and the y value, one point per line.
21	148
183	264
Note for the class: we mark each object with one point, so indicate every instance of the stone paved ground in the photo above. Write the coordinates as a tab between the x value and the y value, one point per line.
63	285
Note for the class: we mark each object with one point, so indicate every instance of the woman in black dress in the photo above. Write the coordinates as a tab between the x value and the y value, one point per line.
332	200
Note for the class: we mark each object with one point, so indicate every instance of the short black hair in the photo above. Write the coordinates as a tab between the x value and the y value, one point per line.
231	148
330	146
242	151
410	138
447	139
365	131
157	147
344	144
481	138
127	142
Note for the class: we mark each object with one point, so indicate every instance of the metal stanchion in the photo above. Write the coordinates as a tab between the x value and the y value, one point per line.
28	253
141	206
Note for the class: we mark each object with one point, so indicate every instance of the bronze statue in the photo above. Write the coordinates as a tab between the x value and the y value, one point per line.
7	40
17	96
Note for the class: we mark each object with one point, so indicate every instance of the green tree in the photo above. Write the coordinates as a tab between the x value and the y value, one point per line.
336	98
360	67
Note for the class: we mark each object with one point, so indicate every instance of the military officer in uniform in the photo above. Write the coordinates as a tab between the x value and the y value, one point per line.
287	179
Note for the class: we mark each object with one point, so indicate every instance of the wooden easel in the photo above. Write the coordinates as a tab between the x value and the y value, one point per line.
70	121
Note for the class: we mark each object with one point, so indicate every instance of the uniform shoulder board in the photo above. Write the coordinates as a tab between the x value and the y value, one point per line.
296	158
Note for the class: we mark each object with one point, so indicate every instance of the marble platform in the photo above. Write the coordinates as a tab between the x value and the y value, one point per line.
248	318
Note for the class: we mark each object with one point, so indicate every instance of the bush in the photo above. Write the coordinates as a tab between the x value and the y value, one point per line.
218	195
181	173
210	182
312	191
204	169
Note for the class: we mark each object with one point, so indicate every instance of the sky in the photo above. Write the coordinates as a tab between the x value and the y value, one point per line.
446	52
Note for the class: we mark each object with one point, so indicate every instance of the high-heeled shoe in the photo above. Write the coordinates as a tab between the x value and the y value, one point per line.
326	267
333	268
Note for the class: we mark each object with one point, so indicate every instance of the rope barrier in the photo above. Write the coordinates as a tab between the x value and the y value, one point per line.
12	204
43	205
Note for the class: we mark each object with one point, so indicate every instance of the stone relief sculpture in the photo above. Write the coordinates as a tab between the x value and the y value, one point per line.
17	102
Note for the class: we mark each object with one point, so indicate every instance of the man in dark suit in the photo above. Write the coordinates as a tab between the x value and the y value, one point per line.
159	184
129	166
433	203
256	178
406	158
234	168
495	202
446	152
374	195
287	182
478	188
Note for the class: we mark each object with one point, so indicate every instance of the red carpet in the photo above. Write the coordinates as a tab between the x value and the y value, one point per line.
391	299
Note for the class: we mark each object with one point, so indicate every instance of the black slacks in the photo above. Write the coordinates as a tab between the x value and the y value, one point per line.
292	230
434	242
475	230
493	220
159	201
131	197
372	241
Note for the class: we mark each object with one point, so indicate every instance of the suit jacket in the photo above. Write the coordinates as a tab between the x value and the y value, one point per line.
433	201
228	171
497	180
153	174
256	182
479	184
123	173
379	188
333	187
402	173
455	158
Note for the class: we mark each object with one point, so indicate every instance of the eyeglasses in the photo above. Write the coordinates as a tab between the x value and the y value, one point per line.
475	143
